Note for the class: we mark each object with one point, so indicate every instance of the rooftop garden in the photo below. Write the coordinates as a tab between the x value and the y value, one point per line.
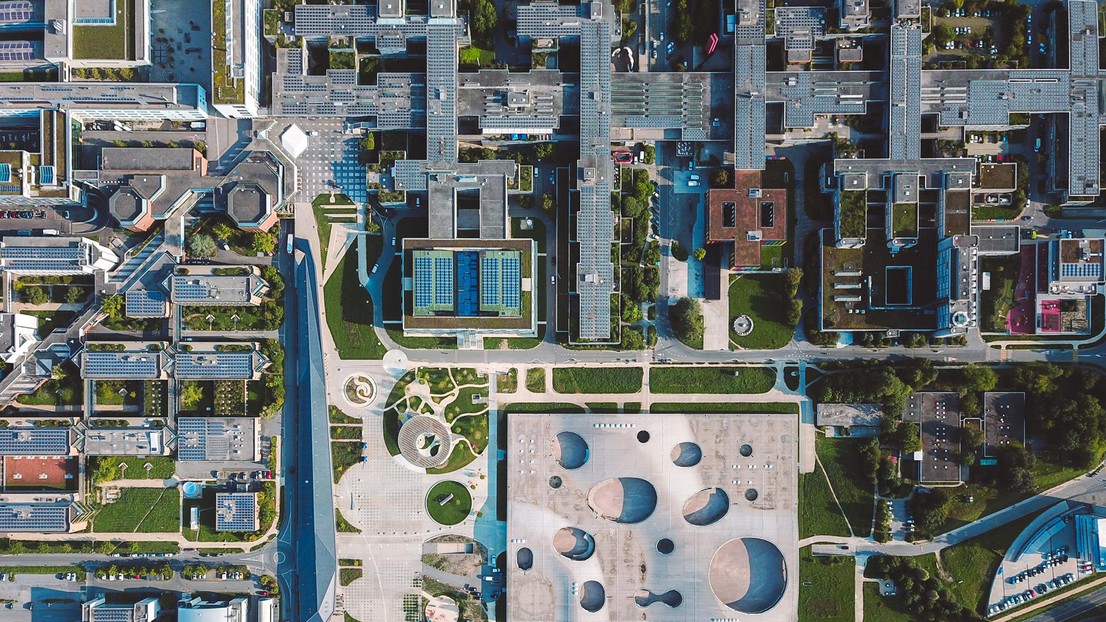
225	89
853	216
110	42
904	220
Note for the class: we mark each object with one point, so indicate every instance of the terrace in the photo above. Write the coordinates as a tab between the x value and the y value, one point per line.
225	88
853	217
904	220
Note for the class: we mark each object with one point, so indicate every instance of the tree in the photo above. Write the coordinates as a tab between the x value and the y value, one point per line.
190	395
112	305
650	154
1015	472
36	296
263	243
547	202
978	377
971	439
720	178
794	312
201	245
543	151
908	437
484	19
630	312
686	319
931	510
969	404
222	231
699	254
74	295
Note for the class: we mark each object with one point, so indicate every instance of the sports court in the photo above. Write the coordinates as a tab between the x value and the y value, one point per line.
38	473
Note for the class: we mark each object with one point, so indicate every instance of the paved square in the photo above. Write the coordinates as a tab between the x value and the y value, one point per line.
673	517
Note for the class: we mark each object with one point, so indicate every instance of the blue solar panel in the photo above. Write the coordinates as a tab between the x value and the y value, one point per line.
214	365
443	281
33	517
121	365
46	175
489	281
468	283
512	282
34	441
235	511
5	173
423	283
191	438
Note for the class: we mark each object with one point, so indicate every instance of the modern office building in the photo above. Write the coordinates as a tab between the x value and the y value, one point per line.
54	256
196	609
18	336
217	439
205	288
1090	539
99	610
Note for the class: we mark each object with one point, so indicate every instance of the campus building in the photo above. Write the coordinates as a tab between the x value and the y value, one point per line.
18	336
1090	539
54	256
99	610
236	511
749	222
196	609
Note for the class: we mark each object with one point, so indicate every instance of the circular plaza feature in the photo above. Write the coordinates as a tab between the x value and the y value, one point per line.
746	450
706	507
623	499
360	390
686	454
748	575
442	609
643	436
742	325
425	441
592	596
751	494
555	482
665	546
570	450
644	598
574	543
448	502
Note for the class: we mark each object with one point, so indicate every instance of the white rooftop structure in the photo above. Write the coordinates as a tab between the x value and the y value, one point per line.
294	141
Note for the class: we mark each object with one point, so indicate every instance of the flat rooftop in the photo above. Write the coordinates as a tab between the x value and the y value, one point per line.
124	442
612	513
216	439
1003	420
938	414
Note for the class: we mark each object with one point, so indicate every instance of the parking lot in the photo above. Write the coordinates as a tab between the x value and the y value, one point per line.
40	598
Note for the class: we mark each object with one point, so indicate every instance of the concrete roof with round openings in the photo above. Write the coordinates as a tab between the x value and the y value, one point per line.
668	517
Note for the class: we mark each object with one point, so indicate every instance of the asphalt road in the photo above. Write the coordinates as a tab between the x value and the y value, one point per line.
1072	609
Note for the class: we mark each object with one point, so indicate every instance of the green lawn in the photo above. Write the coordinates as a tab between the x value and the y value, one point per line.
830	595
460	457
161	467
597	379
113	42
455	509
349	311
469	400
711	379
349	575
475	429
472	55
758	296
727	407
141	510
883	608
535	380
972	563
344	454
321	207
818	512
840	459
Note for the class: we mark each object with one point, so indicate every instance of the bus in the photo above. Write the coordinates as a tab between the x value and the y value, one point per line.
288	244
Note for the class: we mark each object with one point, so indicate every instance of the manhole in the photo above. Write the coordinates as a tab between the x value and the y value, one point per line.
746	450
643	437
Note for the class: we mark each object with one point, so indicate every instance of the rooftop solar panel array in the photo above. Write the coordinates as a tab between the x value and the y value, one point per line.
25	517
34	441
42	258
235	511
906	85
5	173
468	283
500	283
441	92
192	433
16	12
1091	271
806	95
46	175
1083	32
127	365
215	365
146	303
800	26
433	281
11	51
749	87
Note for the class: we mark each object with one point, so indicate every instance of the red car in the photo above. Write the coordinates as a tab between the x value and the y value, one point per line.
622	156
